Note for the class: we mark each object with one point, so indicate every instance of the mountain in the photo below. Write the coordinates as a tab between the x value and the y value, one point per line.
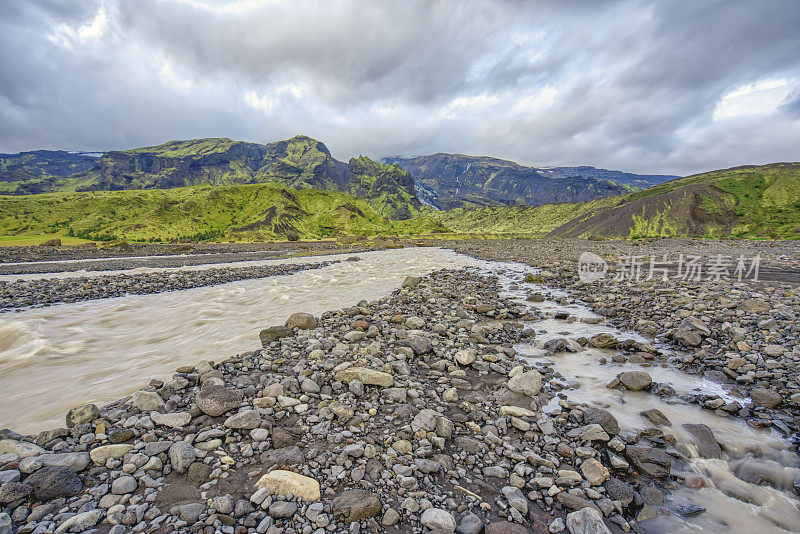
248	212
299	162
448	181
40	170
639	181
749	201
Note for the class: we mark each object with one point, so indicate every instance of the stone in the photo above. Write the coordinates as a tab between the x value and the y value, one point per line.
703	438
14	491
188	512
171	420
419	345
619	490
53	482
603	341
77	461
282	509
592	432
198	473
5	523
593	471
309	386
505	527
355	505
216	400
656	416
444	427
23	449
146	401
465	356
86	413
81	522
391	517
649	461
280	482
273	333
766	398
516	411
123	485
586	521
601	417
424	420
367	376
515	499
101	455
411	281
283	438
303	321
635	380
181	455
470	524
528	383
438	519
247	420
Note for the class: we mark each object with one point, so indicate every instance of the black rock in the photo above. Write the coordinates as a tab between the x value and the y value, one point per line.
53	482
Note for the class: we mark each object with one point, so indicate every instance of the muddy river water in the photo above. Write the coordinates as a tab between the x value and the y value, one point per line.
60	356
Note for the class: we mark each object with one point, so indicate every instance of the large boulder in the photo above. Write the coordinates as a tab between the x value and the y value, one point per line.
586	521
766	398
181	455
303	321
366	376
273	333
248	420
53	482
280	482
438	519
86	413
632	380
23	449
704	440
354	505
216	400
649	461
528	383
603	418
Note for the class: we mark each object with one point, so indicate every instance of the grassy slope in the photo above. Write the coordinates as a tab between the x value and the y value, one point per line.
752	201
240	212
530	220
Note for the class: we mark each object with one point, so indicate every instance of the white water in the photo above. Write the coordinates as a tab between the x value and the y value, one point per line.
56	357
732	505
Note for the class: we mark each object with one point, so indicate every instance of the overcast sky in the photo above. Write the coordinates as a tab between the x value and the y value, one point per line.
644	86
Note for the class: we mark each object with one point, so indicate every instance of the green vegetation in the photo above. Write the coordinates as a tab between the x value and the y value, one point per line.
744	202
535	221
198	213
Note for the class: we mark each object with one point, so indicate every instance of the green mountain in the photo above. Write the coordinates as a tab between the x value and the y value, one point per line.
41	170
750	201
198	213
298	163
448	181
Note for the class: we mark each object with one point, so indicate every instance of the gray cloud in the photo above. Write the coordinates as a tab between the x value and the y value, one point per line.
646	86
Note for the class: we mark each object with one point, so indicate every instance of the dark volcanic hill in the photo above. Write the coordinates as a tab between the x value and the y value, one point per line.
449	181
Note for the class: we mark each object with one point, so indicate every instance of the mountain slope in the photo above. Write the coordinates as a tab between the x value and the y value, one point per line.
750	201
197	213
300	162
639	181
449	181
40	170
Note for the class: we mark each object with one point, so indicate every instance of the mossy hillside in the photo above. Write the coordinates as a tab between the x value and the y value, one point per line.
297	163
753	201
199	213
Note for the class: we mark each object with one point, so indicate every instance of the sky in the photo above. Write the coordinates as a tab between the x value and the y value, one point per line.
672	87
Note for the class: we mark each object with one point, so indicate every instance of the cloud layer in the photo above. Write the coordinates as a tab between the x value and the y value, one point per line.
648	86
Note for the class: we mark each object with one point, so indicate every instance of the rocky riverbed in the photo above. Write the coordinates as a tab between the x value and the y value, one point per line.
422	411
48	291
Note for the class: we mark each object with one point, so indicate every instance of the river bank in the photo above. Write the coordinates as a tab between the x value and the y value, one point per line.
458	402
